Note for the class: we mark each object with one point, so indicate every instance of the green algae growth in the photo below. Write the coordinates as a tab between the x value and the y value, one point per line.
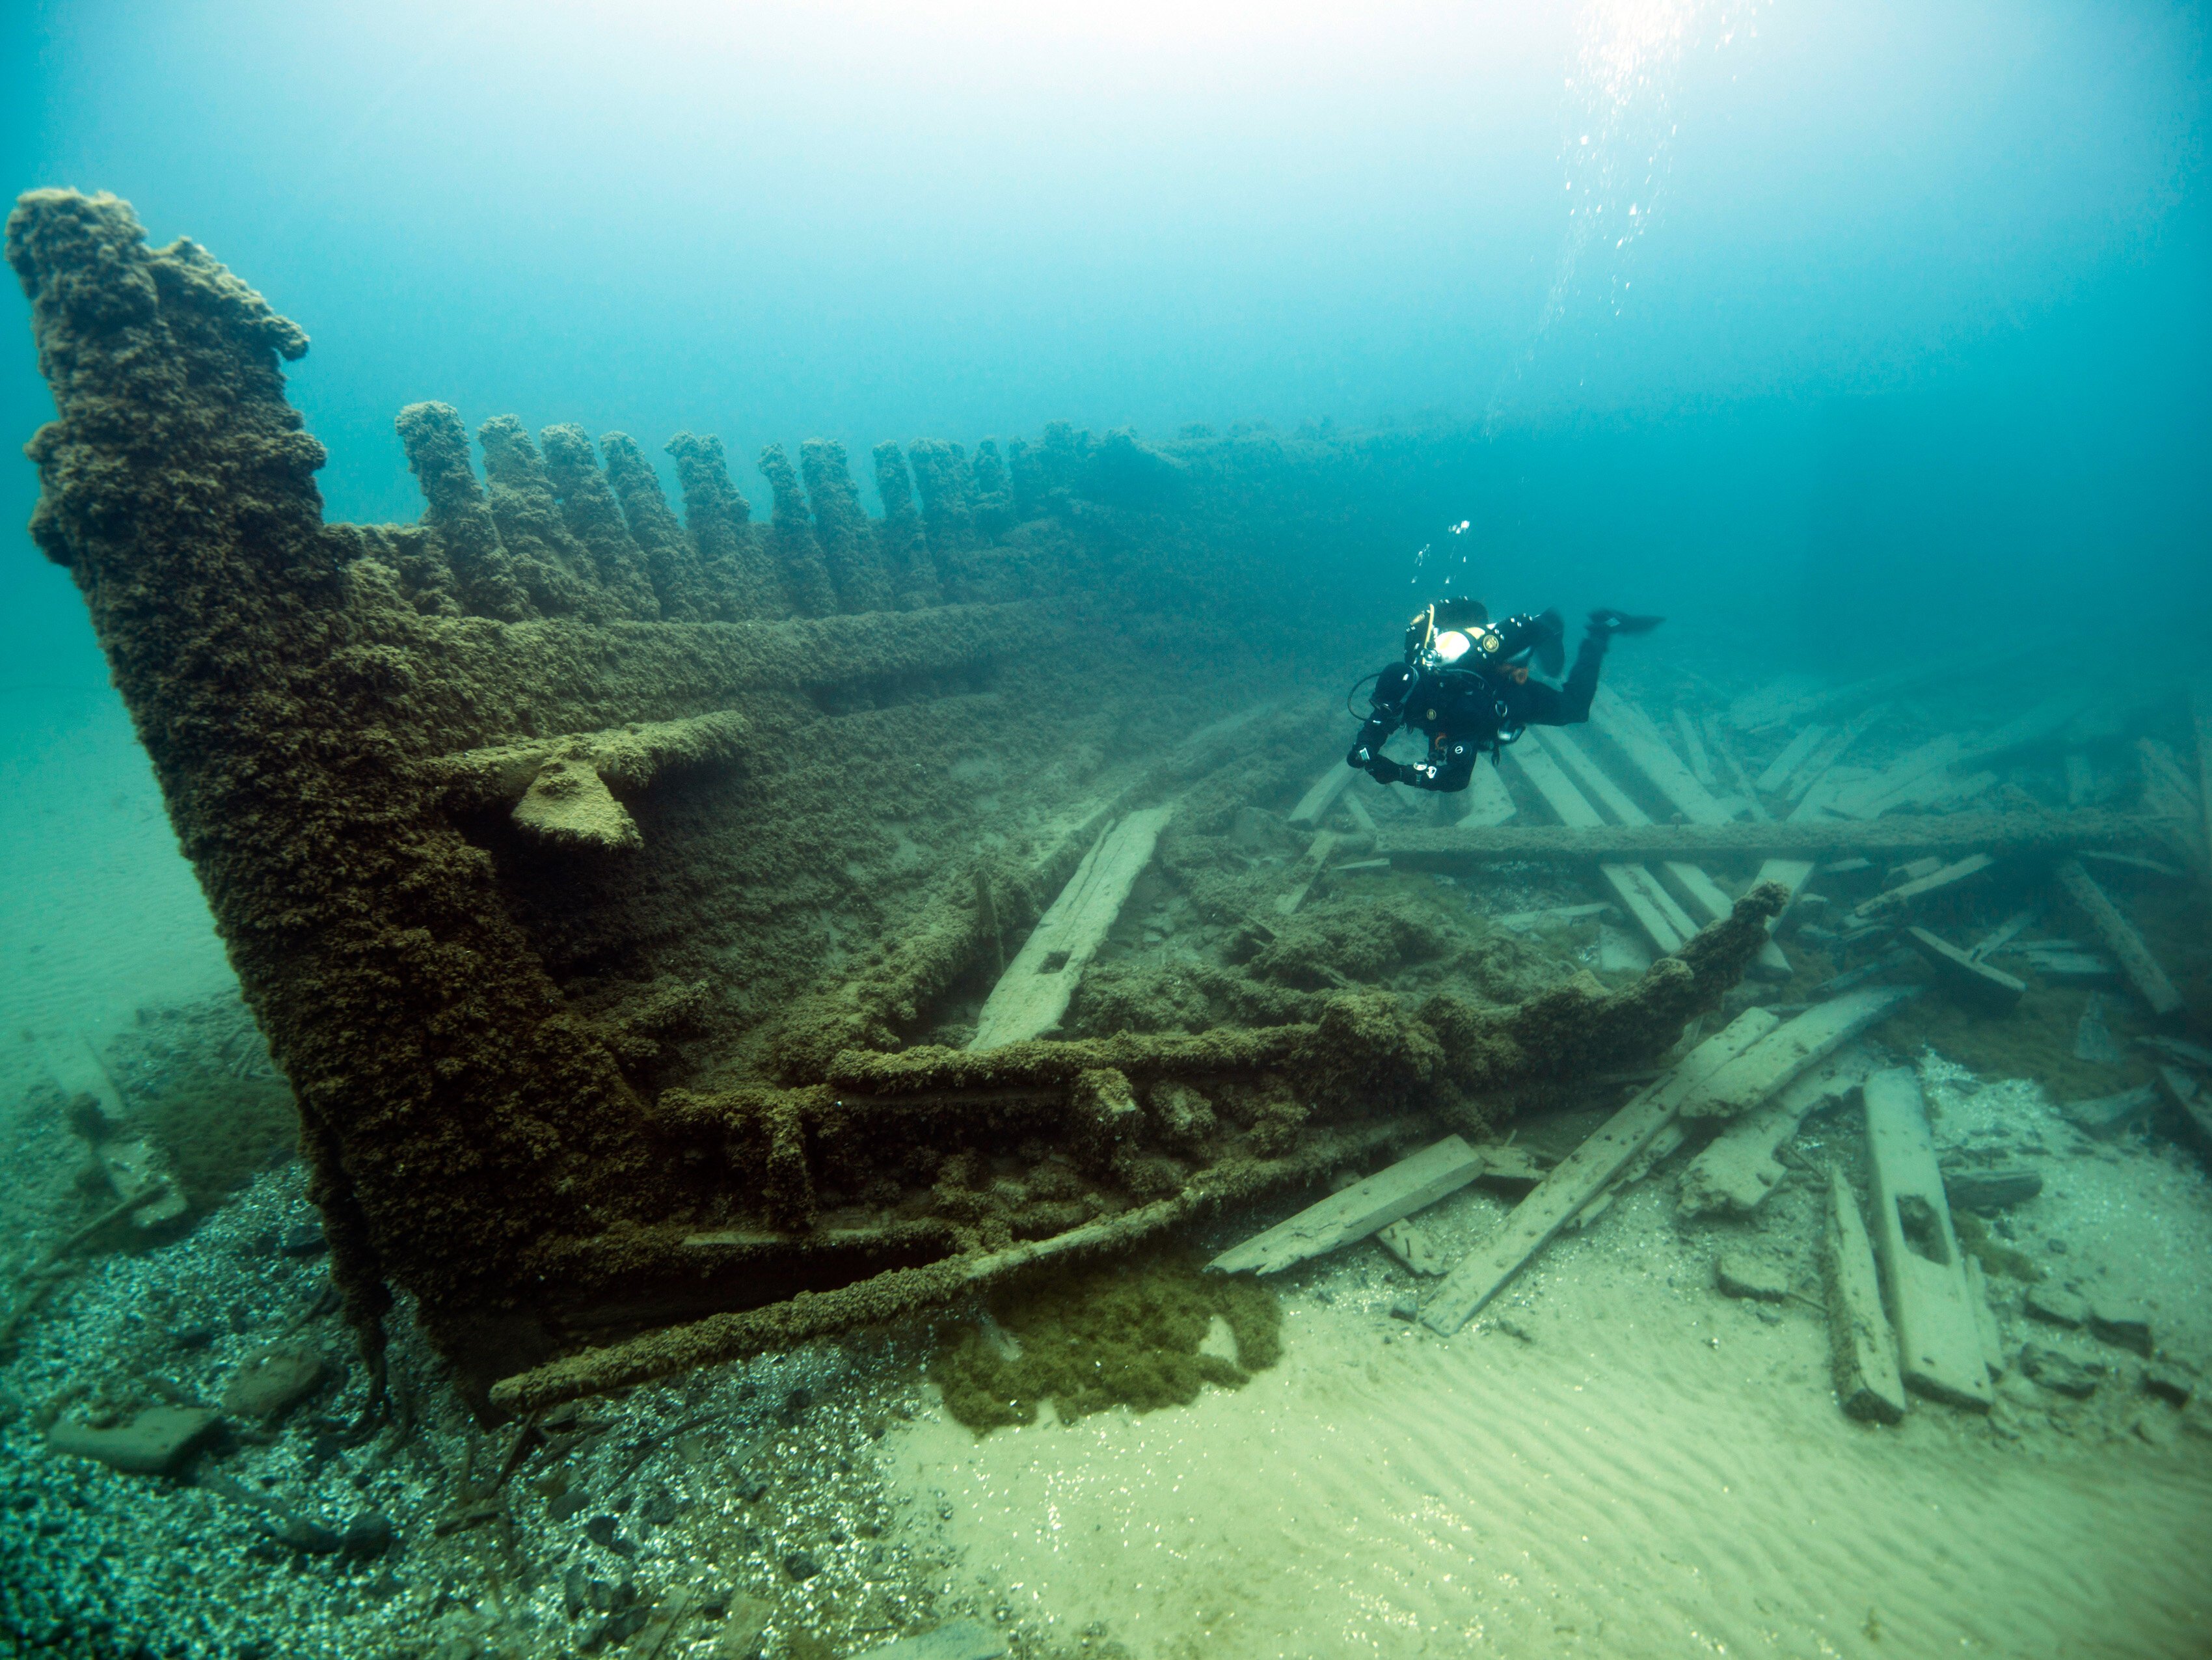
1110	1334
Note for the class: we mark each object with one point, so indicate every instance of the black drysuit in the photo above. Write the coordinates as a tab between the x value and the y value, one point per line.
1467	707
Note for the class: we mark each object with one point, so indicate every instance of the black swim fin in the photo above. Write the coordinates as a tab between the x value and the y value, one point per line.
1619	622
1552	644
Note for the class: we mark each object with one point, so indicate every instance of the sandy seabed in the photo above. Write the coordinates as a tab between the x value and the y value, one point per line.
1644	1469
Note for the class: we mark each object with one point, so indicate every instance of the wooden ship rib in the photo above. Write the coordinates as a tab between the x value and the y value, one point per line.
593	872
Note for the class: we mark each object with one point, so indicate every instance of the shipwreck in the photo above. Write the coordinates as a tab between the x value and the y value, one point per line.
601	877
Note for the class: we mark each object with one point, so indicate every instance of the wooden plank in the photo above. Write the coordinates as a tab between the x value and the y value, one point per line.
1322	795
1579	1177
1901	896
1694	745
2028	728
132	1163
1362	1208
1653	910
1996	833
1997	938
1969	978
1864	1350
2120	937
1985	1319
1521	920
1703	902
2105	1116
1939	1346
1316	860
1790	1049
1718	740
1413	1247
1794	753
1738	1168
1825	759
1488	800
2188	1098
1647	750
1868	797
1033	994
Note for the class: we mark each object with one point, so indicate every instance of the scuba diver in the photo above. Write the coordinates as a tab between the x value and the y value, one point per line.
1465	681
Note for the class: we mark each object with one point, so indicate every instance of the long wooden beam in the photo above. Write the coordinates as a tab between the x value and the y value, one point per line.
1443	847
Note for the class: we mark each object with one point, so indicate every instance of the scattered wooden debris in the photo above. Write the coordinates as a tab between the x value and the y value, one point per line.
1412	1248
1816	782
2092	1038
1310	868
2105	1116
2189	1055
1033	994
1870	798
2133	861
1862	1349
1588	837
1718	740
1520	922
1705	901
1663	921
1738	1169
2002	934
2120	937
1694	745
1793	875
1968	978
135	1166
1581	1177
1939	1344
1794	753
1787	1050
1935	881
1647	750
1991	1187
2189	1099
1362	1208
1488	800
1315	804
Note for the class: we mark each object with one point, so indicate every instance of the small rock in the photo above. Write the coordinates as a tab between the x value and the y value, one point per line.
600	1530
1404	1306
617	1629
752	1488
2056	1308
801	1566
304	1240
2156	1426
192	1337
1739	1274
2123	1328
575	1592
661	1509
269	1384
2059	1374
151	1444
368	1535
566	1505
1991	1187
2169	1383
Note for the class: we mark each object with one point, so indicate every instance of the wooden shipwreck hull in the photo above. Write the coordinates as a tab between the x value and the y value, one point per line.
591	872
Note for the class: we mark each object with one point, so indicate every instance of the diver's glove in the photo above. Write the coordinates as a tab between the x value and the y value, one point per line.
1609	623
1384	770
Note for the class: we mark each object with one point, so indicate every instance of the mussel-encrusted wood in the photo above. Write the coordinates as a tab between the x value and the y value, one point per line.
591	872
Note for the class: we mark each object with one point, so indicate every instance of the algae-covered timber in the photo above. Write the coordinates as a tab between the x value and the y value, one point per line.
595	874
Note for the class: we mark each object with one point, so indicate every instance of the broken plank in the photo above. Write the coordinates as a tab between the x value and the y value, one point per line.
1654	910
1413	1247
1825	759
1317	800
1998	834
1032	996
1316	860
1902	896
1864	1350
1521	920
1362	1208
2002	934
1631	731
1794	753
1738	1168
2120	937
1938	1346
1717	740
1488	801
2105	1116
131	1161
1694	745
2188	1098
1971	980
1790	1049
1578	1178
1355	810
1704	900
1868	797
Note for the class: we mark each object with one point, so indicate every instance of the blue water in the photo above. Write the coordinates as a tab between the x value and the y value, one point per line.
1839	332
